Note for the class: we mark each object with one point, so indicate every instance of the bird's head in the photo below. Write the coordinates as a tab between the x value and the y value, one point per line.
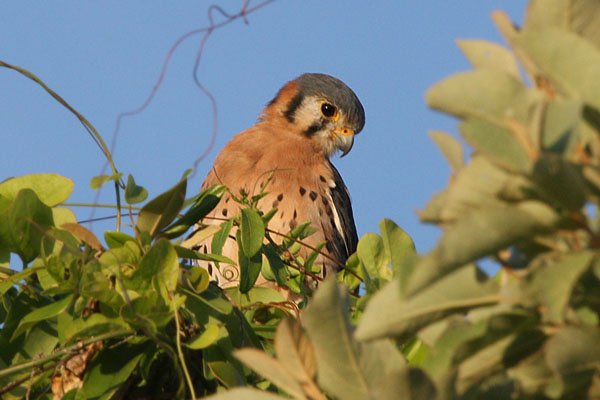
322	108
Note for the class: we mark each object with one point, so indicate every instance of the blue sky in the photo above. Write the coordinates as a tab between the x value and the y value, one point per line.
105	57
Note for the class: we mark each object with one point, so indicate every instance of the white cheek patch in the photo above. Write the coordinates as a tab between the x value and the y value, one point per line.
308	112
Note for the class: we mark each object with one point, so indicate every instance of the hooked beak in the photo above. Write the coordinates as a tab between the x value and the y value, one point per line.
344	139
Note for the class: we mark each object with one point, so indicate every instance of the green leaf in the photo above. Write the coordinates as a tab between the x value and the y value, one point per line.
129	253
273	264
205	203
211	299
253	232
160	211
198	279
133	193
22	227
561	181
479	184
93	325
184	252
432	213
98	181
116	239
415	351
399	248
483	54
561	119
63	216
482	232
496	357
41	339
249	267
256	295
51	189
201	233
294	352
489	95
456	331
497	143
389	314
219	238
271	369
372	255
110	369
406	383
4	261
553	282
39	314
159	268
450	147
574	354
579	16
569	62
227	374
346	369
204	339
7	283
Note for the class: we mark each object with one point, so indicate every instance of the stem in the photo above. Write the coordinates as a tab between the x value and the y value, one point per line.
180	352
59	353
89	127
67	204
118	191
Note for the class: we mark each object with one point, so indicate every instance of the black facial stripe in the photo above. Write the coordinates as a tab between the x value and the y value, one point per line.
316	127
293	106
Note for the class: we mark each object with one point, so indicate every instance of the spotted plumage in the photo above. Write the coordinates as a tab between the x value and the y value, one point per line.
309	119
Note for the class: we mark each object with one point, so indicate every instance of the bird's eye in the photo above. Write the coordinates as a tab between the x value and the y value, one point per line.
328	110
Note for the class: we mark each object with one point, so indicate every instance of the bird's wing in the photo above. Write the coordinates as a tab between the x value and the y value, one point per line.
345	239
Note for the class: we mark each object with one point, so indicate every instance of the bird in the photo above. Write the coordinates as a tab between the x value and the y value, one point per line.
289	149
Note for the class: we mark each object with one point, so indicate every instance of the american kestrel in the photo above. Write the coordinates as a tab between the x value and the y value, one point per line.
310	119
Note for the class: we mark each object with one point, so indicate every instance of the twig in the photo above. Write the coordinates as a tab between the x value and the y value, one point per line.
180	352
59	353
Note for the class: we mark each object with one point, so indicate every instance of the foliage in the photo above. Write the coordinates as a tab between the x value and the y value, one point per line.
138	319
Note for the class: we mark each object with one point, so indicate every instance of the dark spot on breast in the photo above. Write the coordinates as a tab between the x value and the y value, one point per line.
210	269
224	212
313	196
275	203
328	211
281	215
280	197
324	272
325	201
332	222
226	199
295	214
322	178
273	180
302	191
320	211
293	224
